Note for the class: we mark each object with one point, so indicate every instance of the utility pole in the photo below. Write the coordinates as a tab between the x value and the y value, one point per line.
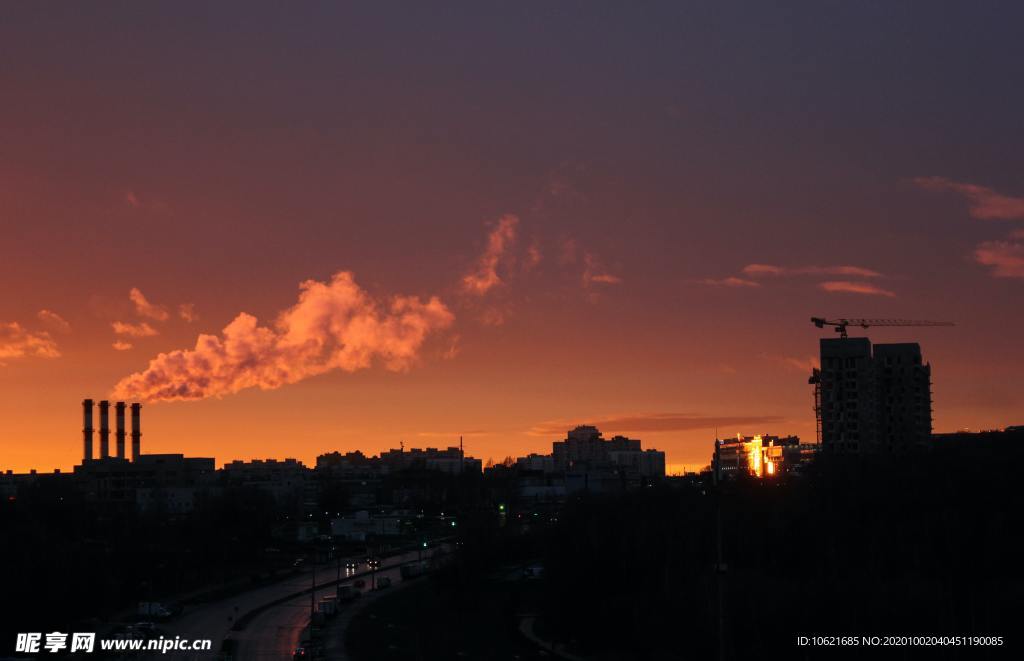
720	572
312	594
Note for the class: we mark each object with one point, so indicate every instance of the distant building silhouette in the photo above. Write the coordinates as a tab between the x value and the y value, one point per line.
585	449
872	400
451	460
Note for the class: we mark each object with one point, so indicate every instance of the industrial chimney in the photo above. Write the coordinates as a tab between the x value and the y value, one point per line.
86	430
136	431
104	429
119	434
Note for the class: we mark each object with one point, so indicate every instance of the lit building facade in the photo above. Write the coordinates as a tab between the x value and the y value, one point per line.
760	456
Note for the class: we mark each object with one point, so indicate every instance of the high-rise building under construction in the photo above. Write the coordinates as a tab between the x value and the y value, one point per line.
872	398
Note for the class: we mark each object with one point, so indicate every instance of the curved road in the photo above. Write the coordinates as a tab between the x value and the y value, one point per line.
275	632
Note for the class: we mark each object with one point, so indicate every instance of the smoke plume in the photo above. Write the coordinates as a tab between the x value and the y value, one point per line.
334	325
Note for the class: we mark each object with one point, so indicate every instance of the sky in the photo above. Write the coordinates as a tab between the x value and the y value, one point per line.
292	229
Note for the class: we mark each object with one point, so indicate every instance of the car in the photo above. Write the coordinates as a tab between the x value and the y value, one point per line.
373	563
299	562
352	564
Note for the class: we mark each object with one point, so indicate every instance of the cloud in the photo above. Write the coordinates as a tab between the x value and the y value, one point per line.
760	270
453	349
567	253
144	308
848	287
54	321
795	363
533	257
484	275
731	281
121	345
594	273
141	329
1006	258
654	422
752	275
132	200
986	204
452	435
334	325
493	315
18	342
187	312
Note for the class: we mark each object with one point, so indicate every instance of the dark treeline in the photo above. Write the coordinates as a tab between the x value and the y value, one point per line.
924	543
65	560
921	543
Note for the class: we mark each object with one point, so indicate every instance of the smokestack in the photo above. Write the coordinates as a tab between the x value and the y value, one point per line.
104	429
136	431
119	435
86	430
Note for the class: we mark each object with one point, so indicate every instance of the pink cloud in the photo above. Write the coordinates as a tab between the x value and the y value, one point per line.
759	270
532	258
121	345
19	342
335	325
848	287
146	309
653	422
986	204
484	275
731	281
54	321
1006	258
141	329
795	363
594	273
187	312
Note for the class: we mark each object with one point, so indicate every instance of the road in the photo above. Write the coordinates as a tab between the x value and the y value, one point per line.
273	633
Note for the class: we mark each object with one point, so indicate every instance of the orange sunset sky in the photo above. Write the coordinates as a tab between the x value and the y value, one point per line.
304	229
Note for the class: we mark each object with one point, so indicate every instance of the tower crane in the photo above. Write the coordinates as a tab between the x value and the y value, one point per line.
841	324
840	327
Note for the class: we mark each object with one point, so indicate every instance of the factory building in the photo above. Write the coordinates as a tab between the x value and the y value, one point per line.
119	413
166	482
